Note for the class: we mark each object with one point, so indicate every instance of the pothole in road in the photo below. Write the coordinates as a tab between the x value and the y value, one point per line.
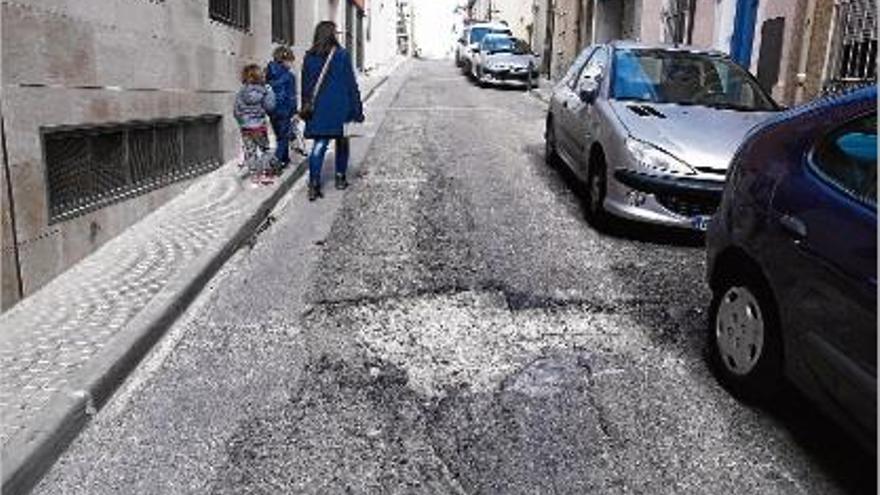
538	433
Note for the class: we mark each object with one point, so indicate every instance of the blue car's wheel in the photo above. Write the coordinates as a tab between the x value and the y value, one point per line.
744	336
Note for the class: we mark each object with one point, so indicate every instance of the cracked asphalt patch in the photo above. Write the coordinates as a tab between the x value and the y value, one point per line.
457	393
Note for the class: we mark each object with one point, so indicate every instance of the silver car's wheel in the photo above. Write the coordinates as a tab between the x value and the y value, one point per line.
739	331
551	157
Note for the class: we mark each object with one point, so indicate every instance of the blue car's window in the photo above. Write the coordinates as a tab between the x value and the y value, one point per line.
848	158
685	78
478	33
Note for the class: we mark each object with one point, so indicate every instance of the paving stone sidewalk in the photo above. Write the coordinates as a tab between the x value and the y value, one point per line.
544	89
52	338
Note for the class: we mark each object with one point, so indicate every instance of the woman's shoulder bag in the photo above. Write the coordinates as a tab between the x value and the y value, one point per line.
308	107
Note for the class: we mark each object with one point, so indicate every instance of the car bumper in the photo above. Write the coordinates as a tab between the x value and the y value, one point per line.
509	77
664	200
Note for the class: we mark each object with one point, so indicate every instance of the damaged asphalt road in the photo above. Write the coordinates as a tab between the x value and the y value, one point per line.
460	329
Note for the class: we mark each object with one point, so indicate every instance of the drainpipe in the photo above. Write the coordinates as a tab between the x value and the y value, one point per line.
579	25
691	15
19	284
805	52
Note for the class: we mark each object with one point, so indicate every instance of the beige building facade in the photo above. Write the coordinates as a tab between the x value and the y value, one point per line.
796	48
109	109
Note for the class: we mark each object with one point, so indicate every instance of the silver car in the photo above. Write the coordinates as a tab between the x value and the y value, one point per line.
504	60
651	130
469	42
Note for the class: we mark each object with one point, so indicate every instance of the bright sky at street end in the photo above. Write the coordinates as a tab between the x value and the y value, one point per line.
434	27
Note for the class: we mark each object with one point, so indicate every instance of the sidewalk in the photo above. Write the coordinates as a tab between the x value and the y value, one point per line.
65	349
544	90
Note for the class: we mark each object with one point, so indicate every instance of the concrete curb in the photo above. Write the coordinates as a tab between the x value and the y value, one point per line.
28	456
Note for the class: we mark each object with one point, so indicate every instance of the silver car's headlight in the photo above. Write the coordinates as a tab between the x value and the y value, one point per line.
653	158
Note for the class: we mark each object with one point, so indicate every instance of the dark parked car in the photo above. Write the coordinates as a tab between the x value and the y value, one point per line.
792	261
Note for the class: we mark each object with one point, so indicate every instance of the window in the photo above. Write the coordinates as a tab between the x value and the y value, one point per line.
578	64
478	33
504	44
686	78
236	13
282	21
853	45
847	158
593	68
90	167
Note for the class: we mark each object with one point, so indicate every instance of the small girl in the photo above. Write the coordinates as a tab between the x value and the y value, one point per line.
253	103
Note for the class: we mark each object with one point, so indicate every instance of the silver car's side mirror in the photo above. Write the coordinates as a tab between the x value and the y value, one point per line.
588	89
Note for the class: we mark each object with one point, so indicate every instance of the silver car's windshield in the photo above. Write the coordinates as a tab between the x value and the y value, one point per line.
685	78
504	44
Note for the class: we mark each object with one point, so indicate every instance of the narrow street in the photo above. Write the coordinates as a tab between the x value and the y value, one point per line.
450	324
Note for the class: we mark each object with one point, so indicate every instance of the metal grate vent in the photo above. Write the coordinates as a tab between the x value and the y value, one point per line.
91	167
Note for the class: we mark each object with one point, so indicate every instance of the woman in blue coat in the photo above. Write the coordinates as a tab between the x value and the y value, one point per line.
338	101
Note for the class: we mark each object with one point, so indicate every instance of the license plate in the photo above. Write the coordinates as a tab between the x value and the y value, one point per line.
701	222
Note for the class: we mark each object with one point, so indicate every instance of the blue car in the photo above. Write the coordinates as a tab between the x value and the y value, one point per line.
792	261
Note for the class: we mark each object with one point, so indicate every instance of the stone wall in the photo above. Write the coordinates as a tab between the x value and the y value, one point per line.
818	27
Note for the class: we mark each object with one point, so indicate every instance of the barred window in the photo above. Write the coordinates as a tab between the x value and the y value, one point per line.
236	13
853	47
89	167
282	21
678	17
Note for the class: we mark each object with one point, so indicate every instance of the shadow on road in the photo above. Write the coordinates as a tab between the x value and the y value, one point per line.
496	87
824	441
828	444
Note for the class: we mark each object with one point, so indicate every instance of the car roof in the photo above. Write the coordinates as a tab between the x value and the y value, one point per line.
638	45
490	25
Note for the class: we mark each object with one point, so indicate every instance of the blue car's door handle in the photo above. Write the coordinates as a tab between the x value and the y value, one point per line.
794	226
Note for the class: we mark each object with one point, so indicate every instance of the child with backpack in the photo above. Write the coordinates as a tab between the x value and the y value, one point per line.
254	101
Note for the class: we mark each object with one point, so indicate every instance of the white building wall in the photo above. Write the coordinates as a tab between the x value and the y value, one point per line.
516	13
380	32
